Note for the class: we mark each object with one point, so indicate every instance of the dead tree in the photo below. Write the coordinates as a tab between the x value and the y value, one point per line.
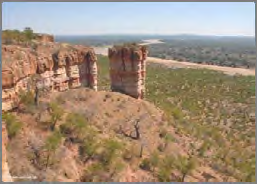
136	127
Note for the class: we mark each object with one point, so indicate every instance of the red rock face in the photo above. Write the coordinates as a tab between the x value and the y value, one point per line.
21	61
58	67
44	63
127	70
7	79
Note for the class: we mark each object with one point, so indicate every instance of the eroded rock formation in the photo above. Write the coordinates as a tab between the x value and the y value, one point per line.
51	66
18	64
45	38
127	69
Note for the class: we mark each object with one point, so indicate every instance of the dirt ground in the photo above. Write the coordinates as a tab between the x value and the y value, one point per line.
111	113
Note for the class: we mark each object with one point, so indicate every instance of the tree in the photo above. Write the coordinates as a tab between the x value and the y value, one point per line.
56	113
28	32
52	143
185	166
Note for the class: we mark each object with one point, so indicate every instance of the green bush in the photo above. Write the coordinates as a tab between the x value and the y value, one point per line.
93	173
12	124
13	36
177	113
98	172
154	160
165	168
146	164
56	113
110	152
53	141
76	126
185	165
164	175
88	149
149	164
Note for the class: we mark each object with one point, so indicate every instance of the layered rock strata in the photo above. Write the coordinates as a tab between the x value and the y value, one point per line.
127	69
18	64
52	66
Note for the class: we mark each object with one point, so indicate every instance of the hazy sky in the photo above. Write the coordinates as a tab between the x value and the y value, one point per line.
84	18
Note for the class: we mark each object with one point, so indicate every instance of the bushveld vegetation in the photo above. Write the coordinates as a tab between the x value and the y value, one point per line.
213	108
232	52
16	36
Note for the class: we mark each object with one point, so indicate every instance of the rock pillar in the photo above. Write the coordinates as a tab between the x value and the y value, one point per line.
127	69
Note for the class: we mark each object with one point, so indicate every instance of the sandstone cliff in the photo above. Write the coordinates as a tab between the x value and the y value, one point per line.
57	67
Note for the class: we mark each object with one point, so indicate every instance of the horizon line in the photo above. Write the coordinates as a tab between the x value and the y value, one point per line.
150	34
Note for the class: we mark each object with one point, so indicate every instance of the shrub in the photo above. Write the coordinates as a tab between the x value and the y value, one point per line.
27	99
75	125
132	154
93	173
164	175
204	147
149	164
97	172
111	149
177	113
56	113
163	133
146	164
165	169
12	124
154	160
169	138
88	149
185	166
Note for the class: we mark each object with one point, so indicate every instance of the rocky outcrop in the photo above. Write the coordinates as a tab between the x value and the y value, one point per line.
18	64
127	69
50	66
6	177
45	38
